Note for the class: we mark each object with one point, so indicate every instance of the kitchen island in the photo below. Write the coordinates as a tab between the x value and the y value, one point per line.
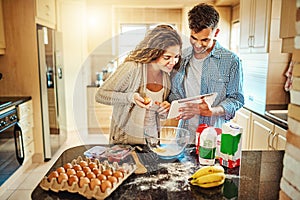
258	177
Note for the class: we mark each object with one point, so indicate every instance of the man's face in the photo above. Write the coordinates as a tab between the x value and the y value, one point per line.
203	40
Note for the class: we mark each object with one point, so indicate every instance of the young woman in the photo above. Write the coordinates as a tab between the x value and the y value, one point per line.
144	73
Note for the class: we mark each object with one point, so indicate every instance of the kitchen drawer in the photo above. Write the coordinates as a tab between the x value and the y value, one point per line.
26	123
99	118
29	151
27	136
25	109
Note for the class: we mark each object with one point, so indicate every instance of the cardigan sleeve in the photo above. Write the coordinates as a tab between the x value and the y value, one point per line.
120	86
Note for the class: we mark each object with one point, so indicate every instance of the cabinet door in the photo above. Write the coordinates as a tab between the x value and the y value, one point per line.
245	24
255	22
2	36
261	133
243	119
279	140
99	115
287	25
261	20
288	19
45	13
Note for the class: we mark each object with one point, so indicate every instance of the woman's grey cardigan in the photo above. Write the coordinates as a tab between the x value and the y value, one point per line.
127	122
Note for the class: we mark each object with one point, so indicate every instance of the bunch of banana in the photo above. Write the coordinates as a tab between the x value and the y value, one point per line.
208	176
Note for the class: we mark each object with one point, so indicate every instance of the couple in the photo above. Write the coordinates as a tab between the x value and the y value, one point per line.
157	68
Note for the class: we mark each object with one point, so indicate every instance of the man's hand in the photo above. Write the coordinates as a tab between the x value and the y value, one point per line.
191	109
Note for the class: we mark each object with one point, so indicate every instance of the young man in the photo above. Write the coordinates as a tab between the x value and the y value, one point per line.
207	67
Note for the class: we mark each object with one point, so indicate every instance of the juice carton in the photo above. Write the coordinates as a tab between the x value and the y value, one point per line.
231	145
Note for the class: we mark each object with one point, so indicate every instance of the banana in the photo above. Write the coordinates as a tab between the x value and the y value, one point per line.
207	170
213	184
209	178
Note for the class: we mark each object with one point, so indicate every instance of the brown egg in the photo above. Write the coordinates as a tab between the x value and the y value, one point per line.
96	171
77	167
83	181
93	165
122	170
62	176
68	166
83	163
60	170
73	179
105	184
80	173
52	175
118	174
90	175
107	172
112	179
94	182
101	177
86	169
71	172
147	100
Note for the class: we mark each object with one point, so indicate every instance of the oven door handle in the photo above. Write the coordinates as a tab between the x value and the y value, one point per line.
19	143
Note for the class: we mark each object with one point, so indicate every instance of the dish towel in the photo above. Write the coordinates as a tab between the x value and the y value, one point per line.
288	74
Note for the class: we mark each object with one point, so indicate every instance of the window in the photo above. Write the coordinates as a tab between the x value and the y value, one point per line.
130	36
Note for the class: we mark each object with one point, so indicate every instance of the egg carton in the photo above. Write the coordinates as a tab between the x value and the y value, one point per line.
85	190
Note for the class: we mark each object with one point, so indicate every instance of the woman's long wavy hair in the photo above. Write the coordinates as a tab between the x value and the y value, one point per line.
155	44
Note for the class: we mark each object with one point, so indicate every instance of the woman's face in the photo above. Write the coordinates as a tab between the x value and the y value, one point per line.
169	59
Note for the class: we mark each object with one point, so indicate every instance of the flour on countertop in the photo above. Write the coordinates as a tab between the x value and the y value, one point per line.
171	177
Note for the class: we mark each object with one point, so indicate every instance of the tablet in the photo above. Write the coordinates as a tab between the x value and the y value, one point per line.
175	105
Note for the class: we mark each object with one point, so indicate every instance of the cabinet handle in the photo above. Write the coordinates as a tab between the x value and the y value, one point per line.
274	136
249	41
269	145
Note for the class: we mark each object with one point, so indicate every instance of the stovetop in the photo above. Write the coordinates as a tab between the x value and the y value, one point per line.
8	101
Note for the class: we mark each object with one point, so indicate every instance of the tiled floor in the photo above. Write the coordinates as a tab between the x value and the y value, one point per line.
24	185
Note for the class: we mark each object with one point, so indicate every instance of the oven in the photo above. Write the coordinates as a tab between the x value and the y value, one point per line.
11	143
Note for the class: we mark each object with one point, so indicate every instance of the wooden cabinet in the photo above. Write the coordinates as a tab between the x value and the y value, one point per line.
259	133
287	25
254	25
2	34
266	135
279	139
46	13
99	115
25	115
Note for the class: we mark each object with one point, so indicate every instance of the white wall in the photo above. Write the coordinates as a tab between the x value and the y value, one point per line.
73	22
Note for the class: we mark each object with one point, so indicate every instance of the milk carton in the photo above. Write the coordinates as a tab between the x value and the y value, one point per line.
231	145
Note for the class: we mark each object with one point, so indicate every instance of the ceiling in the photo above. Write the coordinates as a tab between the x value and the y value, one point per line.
168	3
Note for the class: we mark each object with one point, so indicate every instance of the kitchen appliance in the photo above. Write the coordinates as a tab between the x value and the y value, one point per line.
52	89
11	142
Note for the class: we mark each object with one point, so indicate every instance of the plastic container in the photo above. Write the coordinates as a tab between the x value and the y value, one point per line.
208	144
199	130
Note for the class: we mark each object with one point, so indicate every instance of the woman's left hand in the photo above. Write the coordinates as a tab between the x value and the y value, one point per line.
164	107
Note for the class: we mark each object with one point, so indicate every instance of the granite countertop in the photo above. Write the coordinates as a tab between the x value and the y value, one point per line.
258	177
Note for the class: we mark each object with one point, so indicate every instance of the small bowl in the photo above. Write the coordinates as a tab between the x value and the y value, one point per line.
167	142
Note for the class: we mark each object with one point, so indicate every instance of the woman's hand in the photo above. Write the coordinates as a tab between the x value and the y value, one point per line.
164	107
138	100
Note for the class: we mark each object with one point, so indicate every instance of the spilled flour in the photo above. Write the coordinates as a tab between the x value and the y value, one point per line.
170	176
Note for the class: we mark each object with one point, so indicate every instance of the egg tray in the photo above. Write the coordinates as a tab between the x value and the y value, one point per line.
85	190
